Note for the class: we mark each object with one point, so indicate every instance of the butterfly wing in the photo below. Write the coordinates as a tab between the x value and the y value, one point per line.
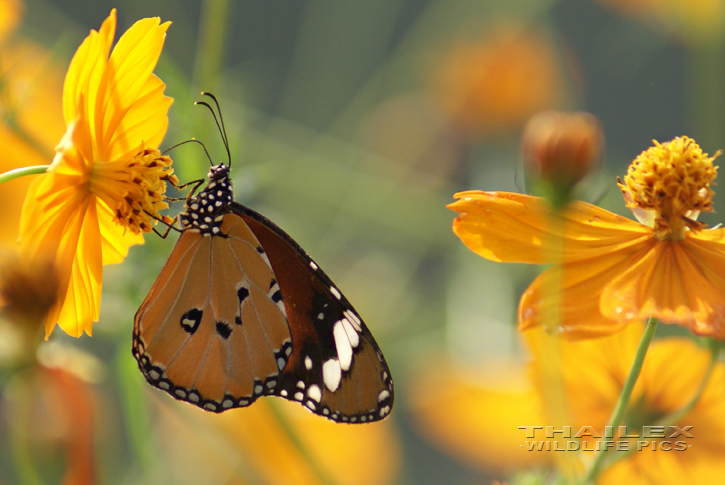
212	330
336	368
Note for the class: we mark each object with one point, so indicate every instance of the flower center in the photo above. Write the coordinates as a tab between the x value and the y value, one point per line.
668	185
134	189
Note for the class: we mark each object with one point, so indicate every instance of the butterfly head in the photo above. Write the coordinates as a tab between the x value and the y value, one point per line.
218	172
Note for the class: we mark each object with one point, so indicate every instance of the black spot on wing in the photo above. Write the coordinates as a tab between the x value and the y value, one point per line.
242	293
190	320
223	330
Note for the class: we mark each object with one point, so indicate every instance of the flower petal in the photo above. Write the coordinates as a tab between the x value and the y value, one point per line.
503	226
86	69
582	285
145	121
116	239
126	77
679	282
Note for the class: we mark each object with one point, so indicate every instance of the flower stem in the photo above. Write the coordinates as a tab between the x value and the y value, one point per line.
21	172
649	333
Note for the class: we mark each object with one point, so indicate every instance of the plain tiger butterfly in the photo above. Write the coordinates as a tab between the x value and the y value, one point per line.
241	311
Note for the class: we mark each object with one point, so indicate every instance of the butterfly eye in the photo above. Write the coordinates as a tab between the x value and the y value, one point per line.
240	311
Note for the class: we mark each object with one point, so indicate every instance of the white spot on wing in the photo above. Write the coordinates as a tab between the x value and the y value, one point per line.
354	319
314	392
331	374
308	363
313	265
351	333
384	394
336	293
342	343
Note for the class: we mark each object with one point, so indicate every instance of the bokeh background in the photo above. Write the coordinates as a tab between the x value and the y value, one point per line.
351	125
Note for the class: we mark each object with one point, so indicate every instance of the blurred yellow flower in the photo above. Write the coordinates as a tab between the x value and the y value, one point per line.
488	434
108	178
495	84
474	415
30	117
10	13
259	448
615	270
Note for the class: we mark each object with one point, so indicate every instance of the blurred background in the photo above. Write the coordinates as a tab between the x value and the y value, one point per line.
351	125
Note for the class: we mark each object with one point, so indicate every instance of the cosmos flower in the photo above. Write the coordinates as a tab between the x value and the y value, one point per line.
106	183
615	270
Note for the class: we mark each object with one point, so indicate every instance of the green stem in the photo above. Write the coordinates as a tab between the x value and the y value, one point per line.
676	416
210	53
21	172
649	333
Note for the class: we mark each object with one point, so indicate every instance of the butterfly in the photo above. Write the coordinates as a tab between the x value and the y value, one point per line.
240	311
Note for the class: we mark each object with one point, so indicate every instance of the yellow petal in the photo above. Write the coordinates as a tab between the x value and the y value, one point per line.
126	76
79	267
86	69
583	283
145	121
676	282
503	226
116	239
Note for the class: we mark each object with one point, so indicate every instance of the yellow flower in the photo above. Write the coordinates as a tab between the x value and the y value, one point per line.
593	373
107	176
615	270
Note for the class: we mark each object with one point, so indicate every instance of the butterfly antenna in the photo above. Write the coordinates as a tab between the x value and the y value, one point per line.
219	122
193	140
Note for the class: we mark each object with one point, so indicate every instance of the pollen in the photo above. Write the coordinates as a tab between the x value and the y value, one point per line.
134	189
668	185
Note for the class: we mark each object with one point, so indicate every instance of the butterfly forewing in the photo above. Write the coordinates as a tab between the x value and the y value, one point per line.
336	369
240	310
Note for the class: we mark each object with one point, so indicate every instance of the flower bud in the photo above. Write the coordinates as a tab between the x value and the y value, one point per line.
561	148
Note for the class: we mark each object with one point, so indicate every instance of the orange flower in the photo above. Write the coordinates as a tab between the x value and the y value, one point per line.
615	270
496	84
108	178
